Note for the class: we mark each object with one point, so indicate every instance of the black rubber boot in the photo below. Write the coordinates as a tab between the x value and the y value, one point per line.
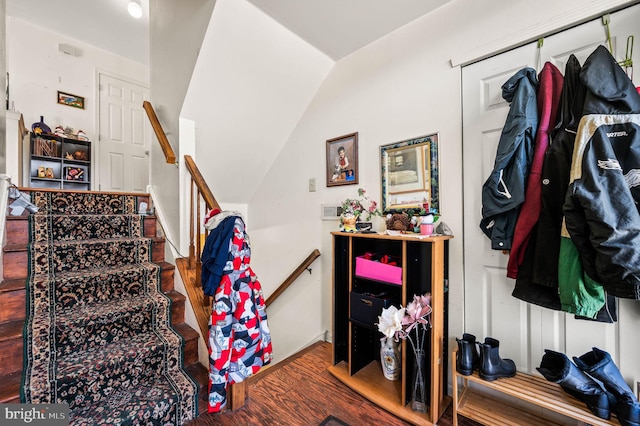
493	367
467	358
599	365
557	368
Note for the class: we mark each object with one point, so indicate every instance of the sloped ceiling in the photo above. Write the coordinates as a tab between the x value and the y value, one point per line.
335	27
338	27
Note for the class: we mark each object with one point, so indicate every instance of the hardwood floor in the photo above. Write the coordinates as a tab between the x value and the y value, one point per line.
300	392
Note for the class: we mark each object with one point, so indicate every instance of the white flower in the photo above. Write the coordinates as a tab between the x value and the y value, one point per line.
390	321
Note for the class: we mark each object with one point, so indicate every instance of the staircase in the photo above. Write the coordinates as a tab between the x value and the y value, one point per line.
13	306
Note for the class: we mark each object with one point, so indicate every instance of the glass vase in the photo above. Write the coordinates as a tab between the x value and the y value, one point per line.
419	397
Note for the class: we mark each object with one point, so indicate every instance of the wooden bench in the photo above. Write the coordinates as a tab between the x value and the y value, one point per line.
473	403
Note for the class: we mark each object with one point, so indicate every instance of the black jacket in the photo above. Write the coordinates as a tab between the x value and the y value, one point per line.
601	208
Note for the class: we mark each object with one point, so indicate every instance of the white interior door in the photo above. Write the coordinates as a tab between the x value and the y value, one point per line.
525	330
124	136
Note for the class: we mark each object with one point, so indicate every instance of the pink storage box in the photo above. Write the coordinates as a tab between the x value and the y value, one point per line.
374	270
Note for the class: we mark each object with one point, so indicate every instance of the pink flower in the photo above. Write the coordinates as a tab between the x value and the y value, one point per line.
416	313
356	207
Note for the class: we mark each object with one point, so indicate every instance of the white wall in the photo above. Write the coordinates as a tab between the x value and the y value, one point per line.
399	87
38	70
176	32
251	85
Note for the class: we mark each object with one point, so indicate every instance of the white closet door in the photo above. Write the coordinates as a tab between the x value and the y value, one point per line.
525	330
125	135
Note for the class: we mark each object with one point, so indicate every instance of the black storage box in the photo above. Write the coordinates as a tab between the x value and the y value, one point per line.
365	308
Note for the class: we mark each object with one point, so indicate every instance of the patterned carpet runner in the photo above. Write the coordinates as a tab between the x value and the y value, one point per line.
97	333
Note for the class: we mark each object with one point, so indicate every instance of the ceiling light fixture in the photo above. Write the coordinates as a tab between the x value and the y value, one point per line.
135	9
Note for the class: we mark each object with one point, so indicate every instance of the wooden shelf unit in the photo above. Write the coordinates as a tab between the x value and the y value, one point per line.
471	402
356	346
49	154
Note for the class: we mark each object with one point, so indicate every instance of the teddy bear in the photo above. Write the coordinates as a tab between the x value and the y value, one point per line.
398	222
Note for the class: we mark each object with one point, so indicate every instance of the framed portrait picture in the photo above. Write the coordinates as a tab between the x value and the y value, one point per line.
342	160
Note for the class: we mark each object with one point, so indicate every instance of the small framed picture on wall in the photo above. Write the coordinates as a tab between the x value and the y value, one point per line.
342	160
70	100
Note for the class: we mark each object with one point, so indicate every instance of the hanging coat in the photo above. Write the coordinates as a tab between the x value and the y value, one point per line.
548	96
504	190
555	178
525	241
239	337
601	208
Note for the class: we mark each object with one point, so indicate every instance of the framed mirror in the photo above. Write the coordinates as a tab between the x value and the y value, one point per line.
409	172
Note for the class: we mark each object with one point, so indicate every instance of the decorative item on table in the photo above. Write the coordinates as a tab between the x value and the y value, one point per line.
360	209
39	127
69	132
82	136
73	173
426	225
416	220
443	229
398	222
412	324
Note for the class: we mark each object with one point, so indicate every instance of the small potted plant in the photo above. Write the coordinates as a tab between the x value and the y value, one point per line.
357	212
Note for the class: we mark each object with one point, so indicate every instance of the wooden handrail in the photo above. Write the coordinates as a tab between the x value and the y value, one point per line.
199	181
294	275
169	155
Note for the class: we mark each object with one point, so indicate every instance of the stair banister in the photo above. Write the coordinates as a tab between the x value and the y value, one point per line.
169	155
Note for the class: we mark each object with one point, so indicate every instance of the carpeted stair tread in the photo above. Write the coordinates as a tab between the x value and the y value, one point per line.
133	349
98	331
106	321
84	203
101	285
84	227
69	256
139	357
152	403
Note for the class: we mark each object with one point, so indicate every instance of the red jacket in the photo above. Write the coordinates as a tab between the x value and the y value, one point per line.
549	91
